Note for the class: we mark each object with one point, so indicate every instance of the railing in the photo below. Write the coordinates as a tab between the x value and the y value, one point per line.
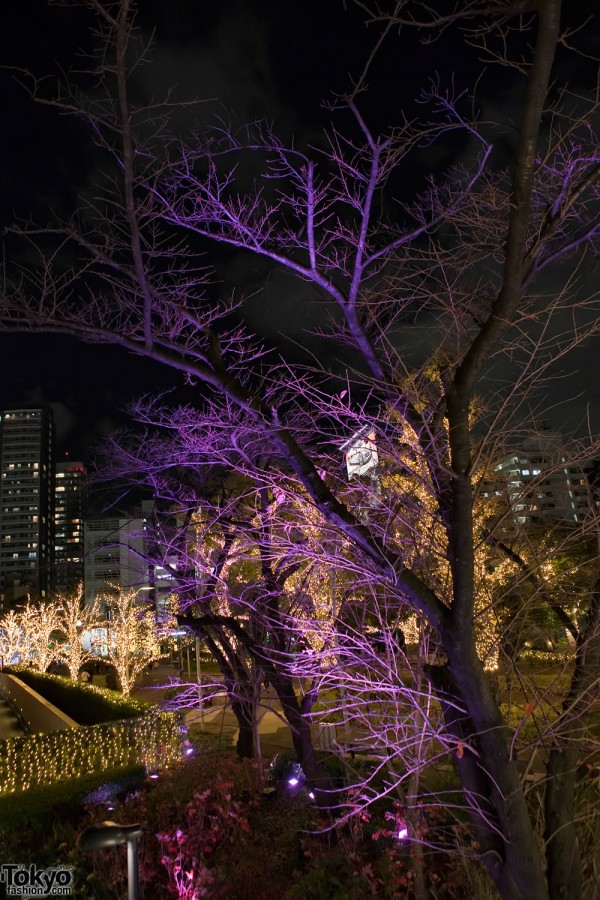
36	713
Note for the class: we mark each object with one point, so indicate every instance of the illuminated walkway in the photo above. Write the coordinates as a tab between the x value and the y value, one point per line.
218	720
9	724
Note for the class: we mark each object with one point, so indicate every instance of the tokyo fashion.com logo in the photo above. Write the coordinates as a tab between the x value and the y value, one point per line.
29	881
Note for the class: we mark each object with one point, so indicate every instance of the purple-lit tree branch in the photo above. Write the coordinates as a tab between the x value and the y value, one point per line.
236	589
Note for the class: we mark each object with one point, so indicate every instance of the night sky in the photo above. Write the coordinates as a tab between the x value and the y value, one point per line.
252	59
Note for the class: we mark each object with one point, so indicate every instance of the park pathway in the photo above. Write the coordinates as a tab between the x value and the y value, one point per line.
218	719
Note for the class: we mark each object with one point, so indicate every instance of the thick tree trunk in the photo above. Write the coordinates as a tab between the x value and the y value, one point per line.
508	844
241	694
563	856
562	850
522	873
511	850
244	710
313	769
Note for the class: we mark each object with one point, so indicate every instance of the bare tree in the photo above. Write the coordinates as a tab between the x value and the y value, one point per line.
423	309
561	571
231	551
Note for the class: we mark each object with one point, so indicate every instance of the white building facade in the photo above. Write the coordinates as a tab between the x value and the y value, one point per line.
541	483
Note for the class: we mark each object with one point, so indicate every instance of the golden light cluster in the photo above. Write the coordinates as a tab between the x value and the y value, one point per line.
153	741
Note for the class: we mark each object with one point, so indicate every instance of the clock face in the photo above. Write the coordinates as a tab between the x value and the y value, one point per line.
361	457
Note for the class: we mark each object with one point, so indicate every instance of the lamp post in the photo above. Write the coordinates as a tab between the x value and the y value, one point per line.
199	680
187	656
109	834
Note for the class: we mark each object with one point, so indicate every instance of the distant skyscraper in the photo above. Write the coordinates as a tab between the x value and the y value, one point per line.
68	523
26	503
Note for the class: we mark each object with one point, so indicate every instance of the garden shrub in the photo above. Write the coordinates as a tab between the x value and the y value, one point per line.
209	831
85	703
42	759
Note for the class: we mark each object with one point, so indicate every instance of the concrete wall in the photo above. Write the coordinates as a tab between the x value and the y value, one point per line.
36	713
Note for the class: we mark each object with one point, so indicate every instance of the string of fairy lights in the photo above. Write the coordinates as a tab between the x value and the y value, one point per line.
153	741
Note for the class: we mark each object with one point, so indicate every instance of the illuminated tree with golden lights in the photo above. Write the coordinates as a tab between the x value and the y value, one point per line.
133	639
13	643
41	626
76	619
240	591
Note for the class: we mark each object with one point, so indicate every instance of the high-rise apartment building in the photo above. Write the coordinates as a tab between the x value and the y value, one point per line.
542	484
26	503
69	491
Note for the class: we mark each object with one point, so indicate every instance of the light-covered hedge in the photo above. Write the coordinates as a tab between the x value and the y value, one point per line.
86	703
153	740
